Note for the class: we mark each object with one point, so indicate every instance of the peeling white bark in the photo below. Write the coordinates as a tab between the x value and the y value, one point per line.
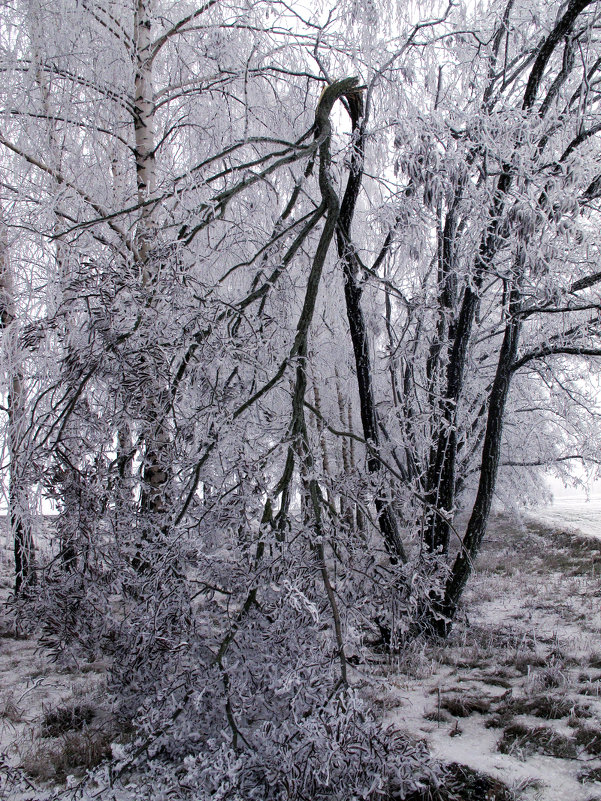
144	131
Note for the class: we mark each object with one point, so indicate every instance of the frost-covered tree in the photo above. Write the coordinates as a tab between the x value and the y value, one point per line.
179	173
18	500
496	221
292	285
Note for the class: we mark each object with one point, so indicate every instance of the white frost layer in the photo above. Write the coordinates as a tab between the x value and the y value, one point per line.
572	512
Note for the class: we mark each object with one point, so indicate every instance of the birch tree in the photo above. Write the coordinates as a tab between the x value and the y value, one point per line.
18	501
171	430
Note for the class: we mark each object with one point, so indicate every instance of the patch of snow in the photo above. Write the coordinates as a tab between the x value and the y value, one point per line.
574	513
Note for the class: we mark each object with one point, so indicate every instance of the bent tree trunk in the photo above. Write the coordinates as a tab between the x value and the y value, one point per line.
352	292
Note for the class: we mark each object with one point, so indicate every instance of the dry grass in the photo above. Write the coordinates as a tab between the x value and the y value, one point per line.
529	544
67	718
589	739
9	708
547	707
462	706
532	627
521	740
71	740
526	660
590	776
461	783
438	716
594	659
71	754
549	678
590	687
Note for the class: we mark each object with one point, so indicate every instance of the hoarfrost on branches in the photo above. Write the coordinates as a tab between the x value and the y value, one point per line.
285	294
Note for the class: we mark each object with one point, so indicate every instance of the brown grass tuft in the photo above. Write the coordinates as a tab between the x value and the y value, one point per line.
521	740
67	718
73	754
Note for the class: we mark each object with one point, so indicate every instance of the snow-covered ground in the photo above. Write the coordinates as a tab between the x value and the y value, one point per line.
516	692
573	508
572	511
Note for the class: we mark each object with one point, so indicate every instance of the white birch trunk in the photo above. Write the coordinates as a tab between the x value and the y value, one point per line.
17	490
155	475
144	132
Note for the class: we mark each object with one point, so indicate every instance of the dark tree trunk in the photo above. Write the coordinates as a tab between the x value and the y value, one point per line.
436	535
442	473
491	451
442	479
352	292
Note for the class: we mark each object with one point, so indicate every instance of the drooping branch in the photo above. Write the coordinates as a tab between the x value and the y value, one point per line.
60	179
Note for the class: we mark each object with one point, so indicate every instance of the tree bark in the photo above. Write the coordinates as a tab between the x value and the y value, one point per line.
441	474
491	452
18	511
442	477
155	473
352	292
